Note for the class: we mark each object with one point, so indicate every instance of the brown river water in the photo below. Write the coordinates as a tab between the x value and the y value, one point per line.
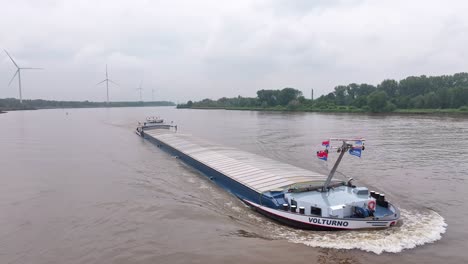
78	186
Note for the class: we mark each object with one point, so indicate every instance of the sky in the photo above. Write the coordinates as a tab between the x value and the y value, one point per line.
191	50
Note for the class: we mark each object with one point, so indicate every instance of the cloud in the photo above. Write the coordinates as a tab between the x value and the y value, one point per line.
197	49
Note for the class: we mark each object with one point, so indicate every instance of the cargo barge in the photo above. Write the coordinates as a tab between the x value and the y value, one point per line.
288	194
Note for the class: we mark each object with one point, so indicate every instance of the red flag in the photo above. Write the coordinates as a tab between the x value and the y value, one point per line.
322	154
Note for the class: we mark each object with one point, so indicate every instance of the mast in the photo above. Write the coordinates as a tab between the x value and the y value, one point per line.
343	149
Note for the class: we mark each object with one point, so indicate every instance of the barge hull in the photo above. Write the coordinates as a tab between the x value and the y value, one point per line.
235	188
256	180
322	223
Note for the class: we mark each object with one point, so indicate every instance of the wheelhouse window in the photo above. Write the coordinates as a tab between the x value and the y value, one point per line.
293	202
316	210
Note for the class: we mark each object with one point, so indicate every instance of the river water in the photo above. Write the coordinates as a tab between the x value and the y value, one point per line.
78	186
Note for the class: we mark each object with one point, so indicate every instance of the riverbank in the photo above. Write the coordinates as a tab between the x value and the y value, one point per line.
11	104
280	109
433	111
6	110
343	109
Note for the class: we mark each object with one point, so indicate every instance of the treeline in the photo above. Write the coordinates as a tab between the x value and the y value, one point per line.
14	104
444	92
264	99
435	92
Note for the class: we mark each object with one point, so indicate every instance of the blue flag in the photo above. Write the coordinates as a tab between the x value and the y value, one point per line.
355	152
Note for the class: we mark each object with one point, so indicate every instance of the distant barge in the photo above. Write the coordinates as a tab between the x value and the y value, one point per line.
288	194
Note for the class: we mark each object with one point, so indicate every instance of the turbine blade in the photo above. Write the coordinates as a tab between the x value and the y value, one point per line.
114	82
29	68
11	58
101	82
16	73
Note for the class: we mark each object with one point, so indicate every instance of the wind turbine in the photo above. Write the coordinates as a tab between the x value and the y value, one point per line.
140	88
152	95
18	72
107	80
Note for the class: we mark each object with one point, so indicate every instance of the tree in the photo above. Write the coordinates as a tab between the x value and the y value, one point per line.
402	102
446	91
365	89
418	101
459	96
414	85
287	95
377	101
431	100
360	101
444	97
390	87
293	104
340	95
268	97
351	90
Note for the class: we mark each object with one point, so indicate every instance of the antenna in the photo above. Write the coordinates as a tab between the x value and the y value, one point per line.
18	72
107	80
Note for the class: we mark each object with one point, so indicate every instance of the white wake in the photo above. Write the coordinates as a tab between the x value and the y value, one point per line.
418	228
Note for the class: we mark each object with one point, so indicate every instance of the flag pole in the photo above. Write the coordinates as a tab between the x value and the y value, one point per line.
344	149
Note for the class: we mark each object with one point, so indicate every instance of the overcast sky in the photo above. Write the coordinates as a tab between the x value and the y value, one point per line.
209	49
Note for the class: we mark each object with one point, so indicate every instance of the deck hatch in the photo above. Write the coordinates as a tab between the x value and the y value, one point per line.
258	173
